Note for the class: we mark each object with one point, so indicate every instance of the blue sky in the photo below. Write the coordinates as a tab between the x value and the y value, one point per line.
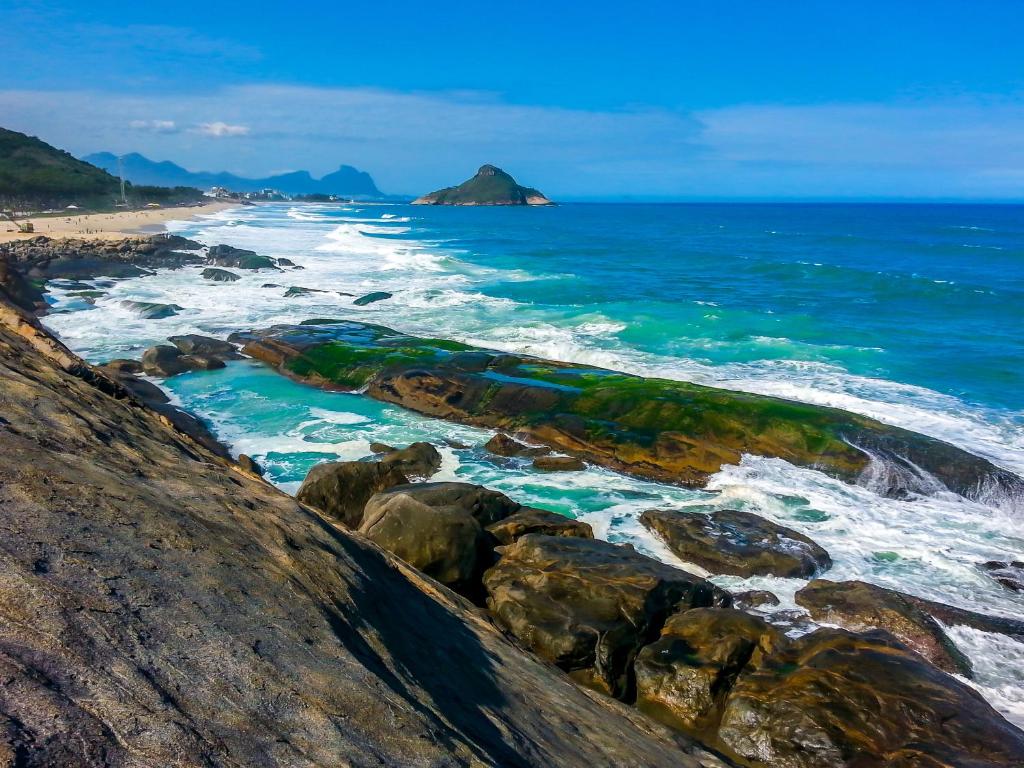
687	100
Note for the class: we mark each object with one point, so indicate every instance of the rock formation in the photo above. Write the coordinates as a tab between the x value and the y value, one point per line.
490	186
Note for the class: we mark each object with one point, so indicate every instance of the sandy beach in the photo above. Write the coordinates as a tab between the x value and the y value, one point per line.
108	226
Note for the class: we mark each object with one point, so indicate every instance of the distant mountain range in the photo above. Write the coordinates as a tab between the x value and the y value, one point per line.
347	181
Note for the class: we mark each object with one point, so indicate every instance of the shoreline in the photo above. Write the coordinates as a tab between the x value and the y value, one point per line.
109	226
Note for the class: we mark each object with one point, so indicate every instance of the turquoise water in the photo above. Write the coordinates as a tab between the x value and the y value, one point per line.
910	314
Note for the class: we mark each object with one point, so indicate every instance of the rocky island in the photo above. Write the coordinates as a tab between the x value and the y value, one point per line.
490	186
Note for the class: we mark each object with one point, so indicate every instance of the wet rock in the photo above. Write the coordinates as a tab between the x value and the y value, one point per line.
18	290
530	520
151	310
219	275
164	360
737	543
503	445
684	677
833	698
588	605
370	298
417	461
341	489
753	598
558	464
1008	573
282	262
859	606
438	528
381	448
271	285
954	616
194	344
239	258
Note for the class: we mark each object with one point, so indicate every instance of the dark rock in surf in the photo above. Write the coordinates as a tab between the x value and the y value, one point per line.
200	362
282	262
859	606
753	598
589	606
503	445
164	360
418	461
381	448
298	290
371	298
239	258
1008	573
737	543
151	310
558	464
219	275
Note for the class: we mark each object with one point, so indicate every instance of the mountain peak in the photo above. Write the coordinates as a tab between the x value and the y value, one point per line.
490	186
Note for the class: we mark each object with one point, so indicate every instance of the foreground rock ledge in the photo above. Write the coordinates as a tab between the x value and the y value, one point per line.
160	606
664	430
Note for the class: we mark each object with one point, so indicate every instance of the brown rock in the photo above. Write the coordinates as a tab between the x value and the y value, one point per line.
530	520
341	489
558	464
417	461
503	445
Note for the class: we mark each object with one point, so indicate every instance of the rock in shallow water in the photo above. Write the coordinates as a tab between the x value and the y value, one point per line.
239	258
737	543
588	605
341	488
371	298
219	275
1009	574
503	445
194	344
151	310
860	606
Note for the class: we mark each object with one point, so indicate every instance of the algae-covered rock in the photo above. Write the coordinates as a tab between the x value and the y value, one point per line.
239	258
738	543
589	605
664	430
859	606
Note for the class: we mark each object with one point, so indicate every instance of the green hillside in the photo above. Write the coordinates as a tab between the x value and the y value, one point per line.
33	174
490	186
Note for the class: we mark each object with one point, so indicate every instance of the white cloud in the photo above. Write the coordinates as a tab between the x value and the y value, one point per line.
220	129
155	126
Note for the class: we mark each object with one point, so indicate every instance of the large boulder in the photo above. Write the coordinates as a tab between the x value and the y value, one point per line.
417	461
164	360
834	698
589	605
194	344
341	488
239	258
19	290
859	606
438	528
531	520
684	676
151	310
737	543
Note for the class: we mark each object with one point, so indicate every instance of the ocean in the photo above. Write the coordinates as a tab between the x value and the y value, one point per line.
912	314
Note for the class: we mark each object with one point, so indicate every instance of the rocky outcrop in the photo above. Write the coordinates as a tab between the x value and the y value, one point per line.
161	606
19	291
664	430
44	258
833	698
529	520
587	605
490	186
684	677
164	360
151	310
860	606
418	461
737	543
194	344
239	258
558	464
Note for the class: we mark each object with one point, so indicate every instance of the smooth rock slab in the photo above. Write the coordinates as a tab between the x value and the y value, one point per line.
737	543
588	605
859	606
194	344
